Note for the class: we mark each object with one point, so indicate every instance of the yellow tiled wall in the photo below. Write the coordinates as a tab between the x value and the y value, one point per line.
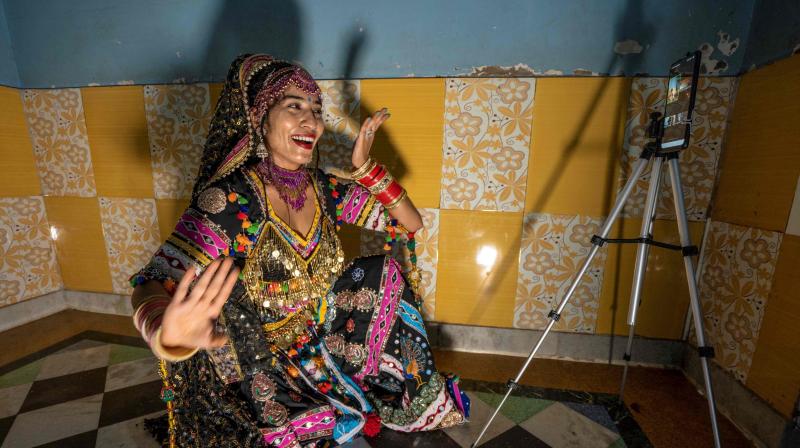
525	167
760	167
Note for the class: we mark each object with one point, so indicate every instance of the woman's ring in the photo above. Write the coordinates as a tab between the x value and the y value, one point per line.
370	132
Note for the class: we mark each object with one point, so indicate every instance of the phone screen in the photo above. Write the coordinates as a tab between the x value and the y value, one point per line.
681	89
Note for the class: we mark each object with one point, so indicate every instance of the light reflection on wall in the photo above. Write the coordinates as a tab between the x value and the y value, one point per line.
487	255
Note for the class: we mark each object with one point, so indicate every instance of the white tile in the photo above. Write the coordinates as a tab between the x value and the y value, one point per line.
98	302
793	226
560	426
74	361
479	414
30	310
131	373
11	399
127	434
54	422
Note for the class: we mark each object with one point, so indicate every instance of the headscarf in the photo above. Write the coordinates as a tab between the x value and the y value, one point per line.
255	82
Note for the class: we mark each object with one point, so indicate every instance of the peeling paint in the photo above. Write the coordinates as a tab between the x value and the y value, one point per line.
179	81
629	46
709	65
94	84
127	82
796	49
584	72
178	54
518	70
552	72
725	45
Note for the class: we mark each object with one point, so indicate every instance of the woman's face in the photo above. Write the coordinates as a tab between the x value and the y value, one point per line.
293	128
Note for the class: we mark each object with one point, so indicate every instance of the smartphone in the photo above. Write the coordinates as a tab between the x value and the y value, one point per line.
681	92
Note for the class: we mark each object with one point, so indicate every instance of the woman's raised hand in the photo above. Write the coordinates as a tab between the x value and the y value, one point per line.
366	136
190	318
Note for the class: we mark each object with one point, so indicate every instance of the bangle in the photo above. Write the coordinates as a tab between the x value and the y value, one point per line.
173	354
396	202
363	169
391	196
373	177
381	184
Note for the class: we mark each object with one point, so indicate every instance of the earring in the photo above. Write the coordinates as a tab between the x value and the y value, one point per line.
261	150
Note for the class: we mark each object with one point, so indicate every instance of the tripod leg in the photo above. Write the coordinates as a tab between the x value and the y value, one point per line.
556	314
642	251
694	297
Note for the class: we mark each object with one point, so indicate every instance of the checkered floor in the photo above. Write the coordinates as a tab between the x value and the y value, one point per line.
98	393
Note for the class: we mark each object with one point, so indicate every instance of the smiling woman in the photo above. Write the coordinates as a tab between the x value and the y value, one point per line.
272	340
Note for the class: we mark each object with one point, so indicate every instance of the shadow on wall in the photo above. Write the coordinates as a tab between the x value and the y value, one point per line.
253	26
630	26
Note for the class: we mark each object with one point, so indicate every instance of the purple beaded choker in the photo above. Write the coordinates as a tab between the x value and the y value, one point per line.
291	185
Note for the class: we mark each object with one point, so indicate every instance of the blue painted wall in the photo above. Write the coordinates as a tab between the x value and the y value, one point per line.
774	33
9	76
68	43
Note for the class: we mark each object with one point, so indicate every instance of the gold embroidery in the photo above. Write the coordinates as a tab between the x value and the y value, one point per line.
212	200
304	280
190	250
366	211
284	332
452	418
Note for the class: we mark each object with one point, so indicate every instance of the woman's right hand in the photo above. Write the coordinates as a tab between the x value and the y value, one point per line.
190	317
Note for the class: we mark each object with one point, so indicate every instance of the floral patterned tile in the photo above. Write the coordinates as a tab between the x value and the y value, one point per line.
60	144
735	279
130	230
28	265
341	101
699	162
178	117
427	249
552	250
487	135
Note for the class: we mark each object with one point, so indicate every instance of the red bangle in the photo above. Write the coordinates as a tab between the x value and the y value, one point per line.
373	177
392	192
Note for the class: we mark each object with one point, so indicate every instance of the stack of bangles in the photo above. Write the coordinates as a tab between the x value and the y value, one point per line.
380	183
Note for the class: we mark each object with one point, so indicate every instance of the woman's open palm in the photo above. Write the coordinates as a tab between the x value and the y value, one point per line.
190	318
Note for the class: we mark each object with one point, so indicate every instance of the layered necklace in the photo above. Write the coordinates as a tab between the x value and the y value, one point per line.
291	185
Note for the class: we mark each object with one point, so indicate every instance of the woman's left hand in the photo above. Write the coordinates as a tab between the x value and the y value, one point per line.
366	136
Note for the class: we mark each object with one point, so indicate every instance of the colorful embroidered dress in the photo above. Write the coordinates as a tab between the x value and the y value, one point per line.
314	346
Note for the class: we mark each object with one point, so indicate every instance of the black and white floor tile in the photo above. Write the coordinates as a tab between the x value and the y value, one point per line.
98	393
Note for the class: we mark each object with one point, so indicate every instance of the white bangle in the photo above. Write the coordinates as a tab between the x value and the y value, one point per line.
173	354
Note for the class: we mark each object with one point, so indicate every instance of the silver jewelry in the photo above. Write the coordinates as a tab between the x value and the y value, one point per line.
370	132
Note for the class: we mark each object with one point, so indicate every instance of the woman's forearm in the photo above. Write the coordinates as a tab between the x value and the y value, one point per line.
407	215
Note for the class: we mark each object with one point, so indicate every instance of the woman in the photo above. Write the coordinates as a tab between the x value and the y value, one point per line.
273	340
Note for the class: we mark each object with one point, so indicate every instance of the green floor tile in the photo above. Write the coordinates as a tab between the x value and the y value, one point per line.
619	443
23	375
517	409
124	353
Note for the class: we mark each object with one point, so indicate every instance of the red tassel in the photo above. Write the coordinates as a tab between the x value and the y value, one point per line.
372	427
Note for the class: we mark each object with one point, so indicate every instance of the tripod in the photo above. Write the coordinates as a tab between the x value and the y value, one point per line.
652	151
